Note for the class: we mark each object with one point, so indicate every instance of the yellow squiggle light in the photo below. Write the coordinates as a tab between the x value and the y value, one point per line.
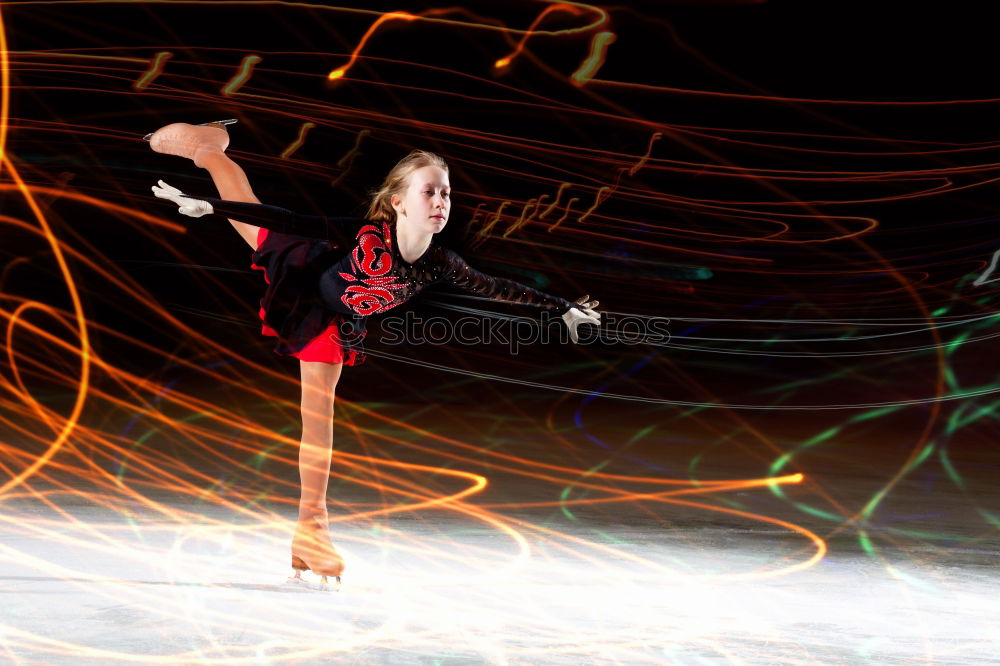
242	76
299	140
155	69
598	52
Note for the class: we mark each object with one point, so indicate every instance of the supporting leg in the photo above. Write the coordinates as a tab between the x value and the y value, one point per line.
319	383
311	547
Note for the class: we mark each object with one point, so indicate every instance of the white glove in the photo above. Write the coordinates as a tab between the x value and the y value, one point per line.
188	206
574	317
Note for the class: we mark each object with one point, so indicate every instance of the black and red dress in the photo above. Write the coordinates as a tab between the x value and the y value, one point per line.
319	292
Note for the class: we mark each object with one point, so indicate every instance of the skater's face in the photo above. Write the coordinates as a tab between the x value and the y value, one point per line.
426	201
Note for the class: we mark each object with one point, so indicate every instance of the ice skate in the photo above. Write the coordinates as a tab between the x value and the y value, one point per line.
191	141
312	551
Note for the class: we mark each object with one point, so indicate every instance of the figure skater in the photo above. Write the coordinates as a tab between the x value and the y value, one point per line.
325	276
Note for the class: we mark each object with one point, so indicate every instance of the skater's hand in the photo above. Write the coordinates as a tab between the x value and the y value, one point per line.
188	206
587	315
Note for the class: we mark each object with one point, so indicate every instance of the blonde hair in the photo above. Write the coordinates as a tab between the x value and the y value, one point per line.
397	180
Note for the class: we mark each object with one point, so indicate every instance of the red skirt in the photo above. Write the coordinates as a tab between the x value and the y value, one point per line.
288	311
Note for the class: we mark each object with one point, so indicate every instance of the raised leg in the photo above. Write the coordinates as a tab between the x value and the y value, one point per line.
232	183
206	145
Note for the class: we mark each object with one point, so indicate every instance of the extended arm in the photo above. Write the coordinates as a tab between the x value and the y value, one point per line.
270	217
463	276
459	274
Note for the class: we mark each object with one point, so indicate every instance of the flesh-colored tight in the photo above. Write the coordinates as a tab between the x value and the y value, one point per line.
319	380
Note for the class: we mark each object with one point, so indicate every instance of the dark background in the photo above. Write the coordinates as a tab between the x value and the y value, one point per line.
786	126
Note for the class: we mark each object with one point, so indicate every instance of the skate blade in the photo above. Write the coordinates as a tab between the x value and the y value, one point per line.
323	585
228	121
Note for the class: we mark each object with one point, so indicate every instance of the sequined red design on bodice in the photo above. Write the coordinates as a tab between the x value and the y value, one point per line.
370	282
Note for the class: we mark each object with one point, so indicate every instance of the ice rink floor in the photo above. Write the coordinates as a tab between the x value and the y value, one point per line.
503	546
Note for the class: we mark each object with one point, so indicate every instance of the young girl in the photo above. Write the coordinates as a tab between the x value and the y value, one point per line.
326	275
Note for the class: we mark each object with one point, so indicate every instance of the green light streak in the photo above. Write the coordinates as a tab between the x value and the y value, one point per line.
819	513
950	347
950	469
874	414
866	543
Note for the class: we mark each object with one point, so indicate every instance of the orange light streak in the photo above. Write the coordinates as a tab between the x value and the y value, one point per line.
4	90
388	16
649	149
521	221
85	351
561	7
599	198
555	202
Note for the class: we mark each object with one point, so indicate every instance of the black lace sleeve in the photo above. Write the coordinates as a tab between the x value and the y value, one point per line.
285	221
459	274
